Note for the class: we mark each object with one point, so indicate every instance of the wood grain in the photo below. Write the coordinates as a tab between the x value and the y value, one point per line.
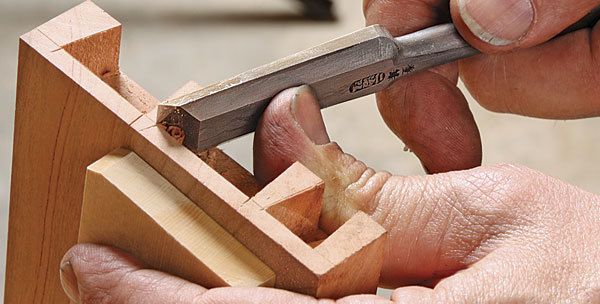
143	101
347	262
60	128
357	251
129	205
68	116
90	35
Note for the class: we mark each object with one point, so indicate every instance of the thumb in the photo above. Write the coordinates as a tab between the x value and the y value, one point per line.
92	274
502	25
292	129
289	129
97	274
434	223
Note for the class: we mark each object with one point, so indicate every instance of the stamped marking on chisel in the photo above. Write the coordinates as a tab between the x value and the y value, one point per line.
394	74
378	78
367	82
408	69
401	72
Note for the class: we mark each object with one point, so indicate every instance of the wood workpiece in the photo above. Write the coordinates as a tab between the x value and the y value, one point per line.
75	106
129	205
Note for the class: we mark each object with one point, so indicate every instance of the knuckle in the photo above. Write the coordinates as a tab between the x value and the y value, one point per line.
363	186
350	185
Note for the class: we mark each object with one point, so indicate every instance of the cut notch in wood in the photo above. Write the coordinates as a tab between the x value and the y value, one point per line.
293	255
80	118
295	198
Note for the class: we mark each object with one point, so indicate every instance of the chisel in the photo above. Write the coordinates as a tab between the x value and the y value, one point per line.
352	66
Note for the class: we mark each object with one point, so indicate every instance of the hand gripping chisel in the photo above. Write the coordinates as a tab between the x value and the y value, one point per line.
355	65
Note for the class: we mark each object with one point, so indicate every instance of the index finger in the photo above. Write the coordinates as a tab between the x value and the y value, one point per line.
426	111
406	16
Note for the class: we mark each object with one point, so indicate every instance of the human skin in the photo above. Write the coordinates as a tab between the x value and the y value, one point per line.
491	234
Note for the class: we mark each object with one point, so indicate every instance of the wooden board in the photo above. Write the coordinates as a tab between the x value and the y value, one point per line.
129	205
71	112
65	119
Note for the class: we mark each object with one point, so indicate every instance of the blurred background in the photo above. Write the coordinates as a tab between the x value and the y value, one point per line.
167	43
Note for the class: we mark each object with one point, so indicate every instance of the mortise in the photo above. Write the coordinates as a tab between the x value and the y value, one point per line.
295	198
233	172
131	91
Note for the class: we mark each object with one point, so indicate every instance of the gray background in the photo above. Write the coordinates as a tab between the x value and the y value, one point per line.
167	43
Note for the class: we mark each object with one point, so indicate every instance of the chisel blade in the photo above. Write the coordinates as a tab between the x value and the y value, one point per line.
352	66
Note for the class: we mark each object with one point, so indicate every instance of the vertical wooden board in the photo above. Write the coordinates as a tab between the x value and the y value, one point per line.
60	128
129	205
54	122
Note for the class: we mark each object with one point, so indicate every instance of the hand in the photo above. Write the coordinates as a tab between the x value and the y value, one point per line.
557	80
491	234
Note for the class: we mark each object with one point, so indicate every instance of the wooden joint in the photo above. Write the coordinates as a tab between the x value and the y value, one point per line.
295	198
88	34
70	88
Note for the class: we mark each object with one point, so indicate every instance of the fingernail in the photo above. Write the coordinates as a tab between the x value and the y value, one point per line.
497	22
68	281
307	112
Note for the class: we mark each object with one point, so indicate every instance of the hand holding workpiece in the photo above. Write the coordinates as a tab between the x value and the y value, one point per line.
499	232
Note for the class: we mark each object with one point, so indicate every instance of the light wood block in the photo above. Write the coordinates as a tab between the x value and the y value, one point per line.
129	205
